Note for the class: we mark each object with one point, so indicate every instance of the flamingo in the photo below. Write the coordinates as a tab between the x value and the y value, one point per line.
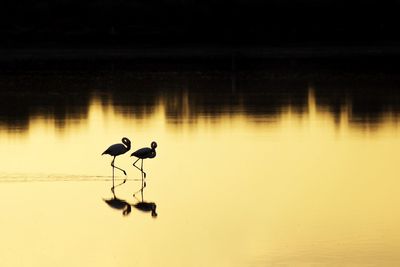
116	150
126	207
119	204
143	205
146	207
144	153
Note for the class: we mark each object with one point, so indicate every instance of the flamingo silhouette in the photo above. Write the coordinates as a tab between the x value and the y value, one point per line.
145	153
126	207
143	205
118	204
146	207
116	150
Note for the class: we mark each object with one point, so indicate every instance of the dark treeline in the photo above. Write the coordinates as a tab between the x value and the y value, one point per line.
192	94
25	23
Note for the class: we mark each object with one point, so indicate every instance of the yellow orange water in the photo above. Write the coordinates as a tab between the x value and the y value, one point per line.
230	190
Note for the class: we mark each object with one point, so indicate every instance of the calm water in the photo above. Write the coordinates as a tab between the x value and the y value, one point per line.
249	171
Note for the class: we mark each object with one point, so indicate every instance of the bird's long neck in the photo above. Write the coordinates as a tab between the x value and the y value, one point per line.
127	143
128	146
126	210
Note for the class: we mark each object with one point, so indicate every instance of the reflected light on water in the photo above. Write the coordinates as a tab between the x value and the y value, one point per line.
232	189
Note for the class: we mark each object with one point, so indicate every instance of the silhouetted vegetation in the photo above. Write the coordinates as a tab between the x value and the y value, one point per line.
188	92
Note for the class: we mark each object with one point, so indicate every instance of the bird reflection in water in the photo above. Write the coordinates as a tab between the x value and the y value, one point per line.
126	207
143	205
119	204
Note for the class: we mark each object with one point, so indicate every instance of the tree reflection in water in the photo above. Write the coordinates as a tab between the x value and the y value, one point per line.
368	92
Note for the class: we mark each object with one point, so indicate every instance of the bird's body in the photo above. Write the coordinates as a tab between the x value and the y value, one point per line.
145	153
119	204
146	207
116	203
116	150
143	205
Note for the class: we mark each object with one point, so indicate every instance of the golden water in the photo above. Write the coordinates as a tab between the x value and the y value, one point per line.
301	189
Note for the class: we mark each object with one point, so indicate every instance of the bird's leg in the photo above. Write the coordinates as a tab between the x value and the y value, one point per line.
140	190
121	183
112	190
143	177
112	164
140	169
114	186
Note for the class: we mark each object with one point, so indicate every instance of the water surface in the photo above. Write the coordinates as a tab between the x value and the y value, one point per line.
250	170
